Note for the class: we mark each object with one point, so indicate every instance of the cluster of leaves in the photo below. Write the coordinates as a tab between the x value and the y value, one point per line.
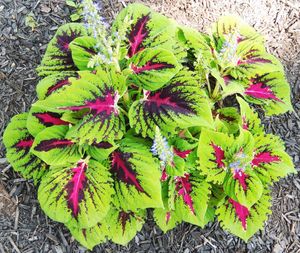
158	121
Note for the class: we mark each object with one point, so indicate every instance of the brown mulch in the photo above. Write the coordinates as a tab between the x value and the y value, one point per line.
28	230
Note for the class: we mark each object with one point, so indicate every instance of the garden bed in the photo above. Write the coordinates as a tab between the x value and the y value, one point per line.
28	229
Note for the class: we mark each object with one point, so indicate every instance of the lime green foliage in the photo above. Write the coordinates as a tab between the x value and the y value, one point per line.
150	114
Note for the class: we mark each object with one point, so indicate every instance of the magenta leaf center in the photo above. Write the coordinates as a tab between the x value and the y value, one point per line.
261	91
184	188
219	154
241	211
75	187
49	119
264	157
107	105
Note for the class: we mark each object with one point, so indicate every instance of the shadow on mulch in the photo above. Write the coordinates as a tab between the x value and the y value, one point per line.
26	229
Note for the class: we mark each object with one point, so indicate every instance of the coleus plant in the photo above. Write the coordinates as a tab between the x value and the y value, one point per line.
151	114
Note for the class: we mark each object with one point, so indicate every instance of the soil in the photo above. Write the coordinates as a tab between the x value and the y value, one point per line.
24	227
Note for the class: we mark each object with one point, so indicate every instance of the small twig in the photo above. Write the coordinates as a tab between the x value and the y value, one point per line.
37	3
1	248
208	241
3	160
17	218
13	244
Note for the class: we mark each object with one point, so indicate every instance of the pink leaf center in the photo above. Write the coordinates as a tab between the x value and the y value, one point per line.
219	154
168	216
50	119
24	144
164	175
108	105
75	187
241	211
184	188
159	101
245	123
182	154
264	157
261	91
241	177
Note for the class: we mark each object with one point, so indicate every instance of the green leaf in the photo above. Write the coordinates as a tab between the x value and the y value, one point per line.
180	104
153	68
166	219
100	151
97	96
136	175
241	221
71	3
230	117
58	56
89	237
123	225
82	50
75	17
18	142
78	194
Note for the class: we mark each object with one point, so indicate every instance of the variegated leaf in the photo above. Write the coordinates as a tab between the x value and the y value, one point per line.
192	196
123	225
18	143
58	56
136	175
153	68
39	119
271	91
179	104
270	161
101	150
96	95
144	29
83	49
235	28
242	221
227	120
78	194
166	219
54	148
89	237
54	83
243	186
212	152
250	120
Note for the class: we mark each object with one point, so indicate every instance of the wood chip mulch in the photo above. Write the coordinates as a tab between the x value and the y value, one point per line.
24	227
